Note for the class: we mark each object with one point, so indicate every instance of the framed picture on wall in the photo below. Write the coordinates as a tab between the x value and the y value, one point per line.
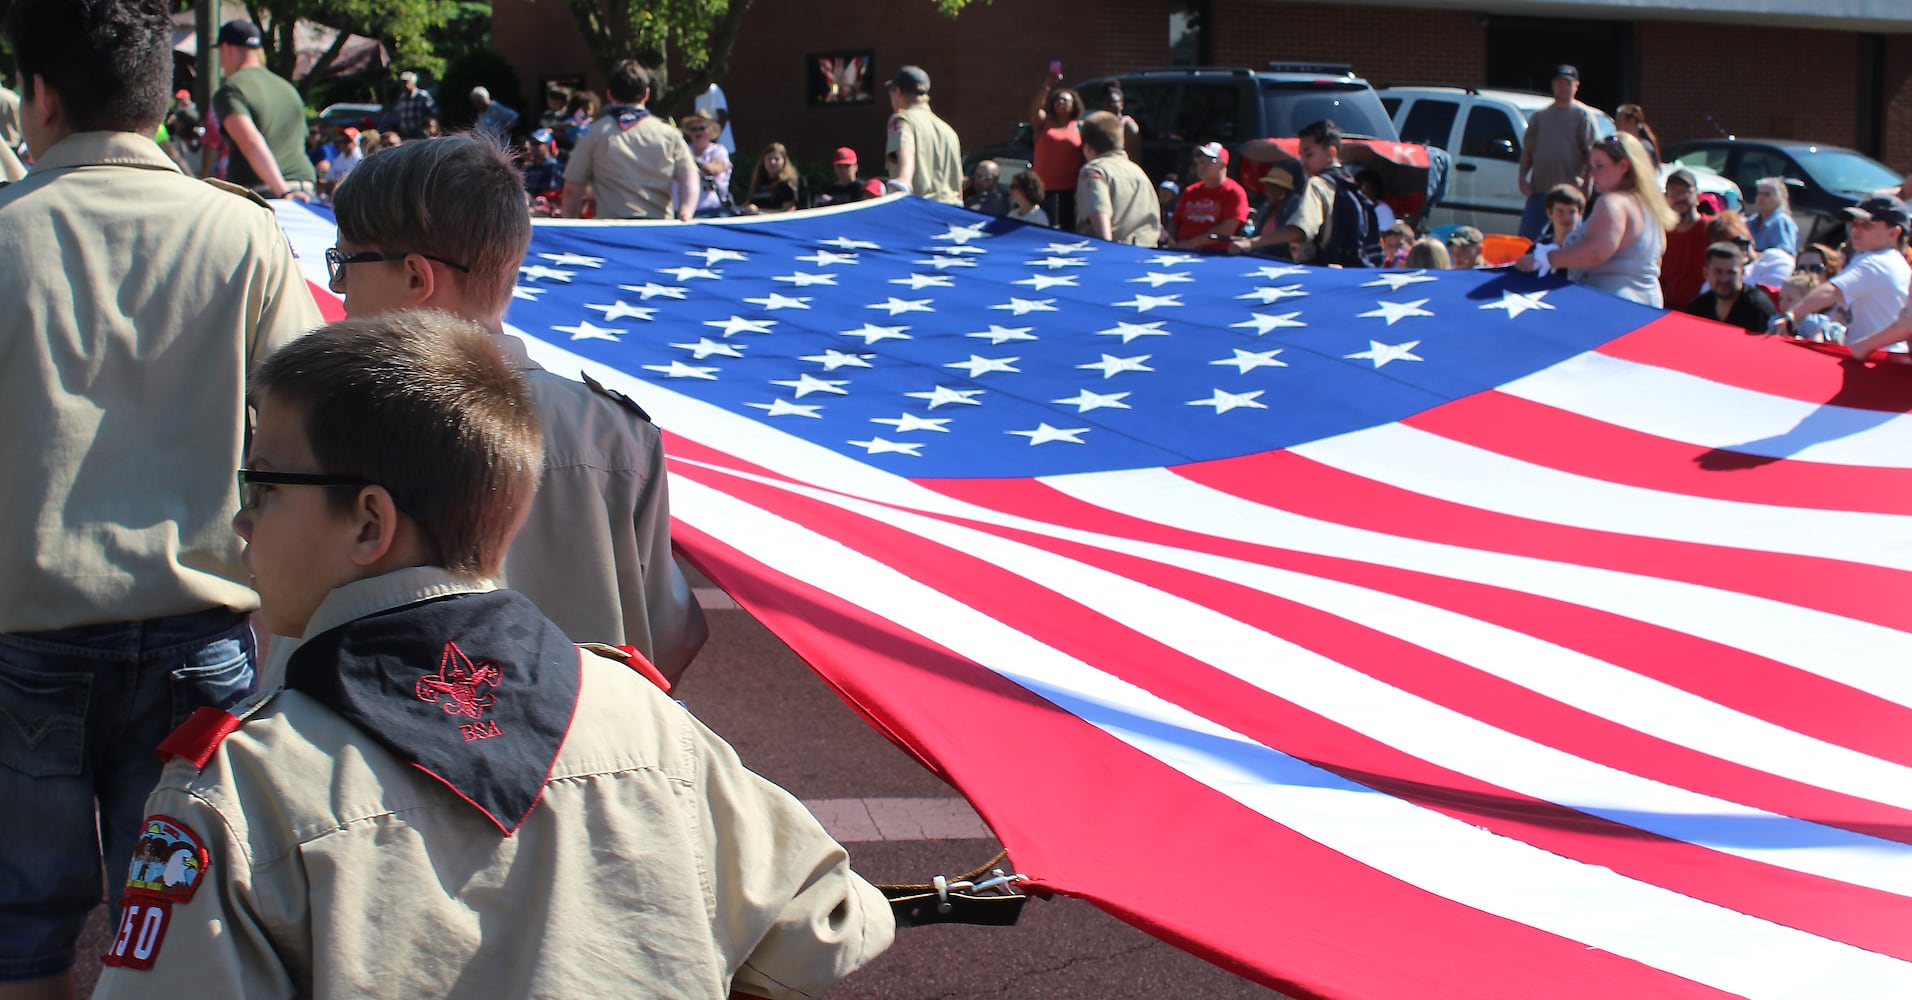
840	77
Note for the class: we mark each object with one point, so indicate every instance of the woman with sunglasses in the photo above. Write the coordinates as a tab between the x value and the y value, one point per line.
1621	242
1631	119
1772	222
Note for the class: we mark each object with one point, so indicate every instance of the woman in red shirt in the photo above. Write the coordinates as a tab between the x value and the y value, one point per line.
1054	112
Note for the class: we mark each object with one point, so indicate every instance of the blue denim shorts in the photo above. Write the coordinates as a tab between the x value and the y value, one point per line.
81	710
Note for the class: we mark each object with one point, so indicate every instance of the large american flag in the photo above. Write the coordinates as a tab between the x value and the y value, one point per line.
1373	634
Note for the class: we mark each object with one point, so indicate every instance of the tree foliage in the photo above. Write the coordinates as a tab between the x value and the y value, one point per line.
403	26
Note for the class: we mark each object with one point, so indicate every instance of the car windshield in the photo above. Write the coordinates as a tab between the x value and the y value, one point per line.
1291	107
1847	172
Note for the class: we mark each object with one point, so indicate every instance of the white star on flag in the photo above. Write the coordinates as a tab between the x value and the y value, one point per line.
678	369
912	422
1272	293
1003	334
1143	303
1043	434
1042	281
1519	302
651	289
1248	361
1276	271
877	446
527	293
963	234
585	330
979	365
785	408
621	309
737	324
1395	282
1394	312
805	384
1130	331
802	279
1262	322
1024	306
1067	248
705	347
1110	366
831	360
536	271
943	394
1171	259
774	301
898	306
871	333
1381	354
1053	263
921	281
1084	401
1225	401
940	262
716	255
954	250
687	273
824	258
573	260
846	243
1157	279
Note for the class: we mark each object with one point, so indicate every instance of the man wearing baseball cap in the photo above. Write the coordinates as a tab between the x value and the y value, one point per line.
1212	210
922	149
845	188
263	116
1559	137
1873	283
411	109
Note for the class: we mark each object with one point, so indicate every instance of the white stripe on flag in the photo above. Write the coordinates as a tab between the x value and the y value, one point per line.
310	235
1682	407
1587	903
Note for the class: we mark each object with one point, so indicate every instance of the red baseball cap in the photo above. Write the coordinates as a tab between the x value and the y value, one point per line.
844	154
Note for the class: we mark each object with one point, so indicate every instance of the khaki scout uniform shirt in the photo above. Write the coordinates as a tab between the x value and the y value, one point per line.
9	118
1314	216
595	552
938	174
1112	183
136	301
632	169
654	865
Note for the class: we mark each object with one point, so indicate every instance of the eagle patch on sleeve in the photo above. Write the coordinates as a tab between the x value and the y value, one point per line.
169	862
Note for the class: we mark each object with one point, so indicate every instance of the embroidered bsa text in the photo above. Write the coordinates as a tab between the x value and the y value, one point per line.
459	688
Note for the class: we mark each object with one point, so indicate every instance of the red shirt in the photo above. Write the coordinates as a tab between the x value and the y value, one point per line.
1683	265
1203	206
1059	157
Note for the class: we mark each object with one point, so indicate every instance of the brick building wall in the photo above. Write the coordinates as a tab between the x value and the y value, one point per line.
1897	87
1382	44
1808	89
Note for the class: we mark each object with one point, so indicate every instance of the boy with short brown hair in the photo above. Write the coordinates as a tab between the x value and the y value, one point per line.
436	793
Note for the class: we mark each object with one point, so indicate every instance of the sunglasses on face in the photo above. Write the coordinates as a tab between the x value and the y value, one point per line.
253	483
1812	268
335	262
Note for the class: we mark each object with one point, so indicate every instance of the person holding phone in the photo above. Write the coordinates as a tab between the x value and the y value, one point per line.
1055	112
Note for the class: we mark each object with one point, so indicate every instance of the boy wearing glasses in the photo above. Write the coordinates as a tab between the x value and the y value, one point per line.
437	794
135	301
443	224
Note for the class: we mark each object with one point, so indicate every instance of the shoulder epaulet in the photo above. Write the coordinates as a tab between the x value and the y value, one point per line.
616	397
197	738
243	192
630	657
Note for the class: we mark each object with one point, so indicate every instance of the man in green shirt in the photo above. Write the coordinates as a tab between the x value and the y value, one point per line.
263	117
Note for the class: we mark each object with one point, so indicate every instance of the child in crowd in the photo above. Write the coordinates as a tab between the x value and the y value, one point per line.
1395	243
1565	205
1811	326
435	792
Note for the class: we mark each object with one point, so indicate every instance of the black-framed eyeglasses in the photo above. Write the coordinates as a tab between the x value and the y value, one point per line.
251	482
335	262
1813	268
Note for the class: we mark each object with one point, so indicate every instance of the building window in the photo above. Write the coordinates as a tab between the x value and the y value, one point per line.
1187	42
840	77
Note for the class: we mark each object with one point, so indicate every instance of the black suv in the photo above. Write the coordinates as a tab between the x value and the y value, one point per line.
1182	107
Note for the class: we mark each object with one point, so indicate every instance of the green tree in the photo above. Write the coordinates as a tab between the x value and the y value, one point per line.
403	26
700	32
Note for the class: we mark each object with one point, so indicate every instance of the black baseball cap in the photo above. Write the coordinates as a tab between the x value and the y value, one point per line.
1882	208
911	80
240	32
1567	71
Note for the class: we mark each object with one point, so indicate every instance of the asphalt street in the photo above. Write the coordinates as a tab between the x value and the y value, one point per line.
901	825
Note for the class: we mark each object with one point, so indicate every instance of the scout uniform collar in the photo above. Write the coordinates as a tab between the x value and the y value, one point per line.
626	115
122	149
476	689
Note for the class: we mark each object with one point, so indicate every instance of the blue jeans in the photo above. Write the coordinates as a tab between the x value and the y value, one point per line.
1533	215
81	711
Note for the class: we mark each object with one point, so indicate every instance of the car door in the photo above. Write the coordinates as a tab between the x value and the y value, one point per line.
1486	184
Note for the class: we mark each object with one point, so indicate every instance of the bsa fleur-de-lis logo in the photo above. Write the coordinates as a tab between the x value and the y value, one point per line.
460	683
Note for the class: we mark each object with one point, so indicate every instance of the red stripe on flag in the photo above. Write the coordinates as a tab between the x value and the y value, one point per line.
331	307
1764	364
1557	439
